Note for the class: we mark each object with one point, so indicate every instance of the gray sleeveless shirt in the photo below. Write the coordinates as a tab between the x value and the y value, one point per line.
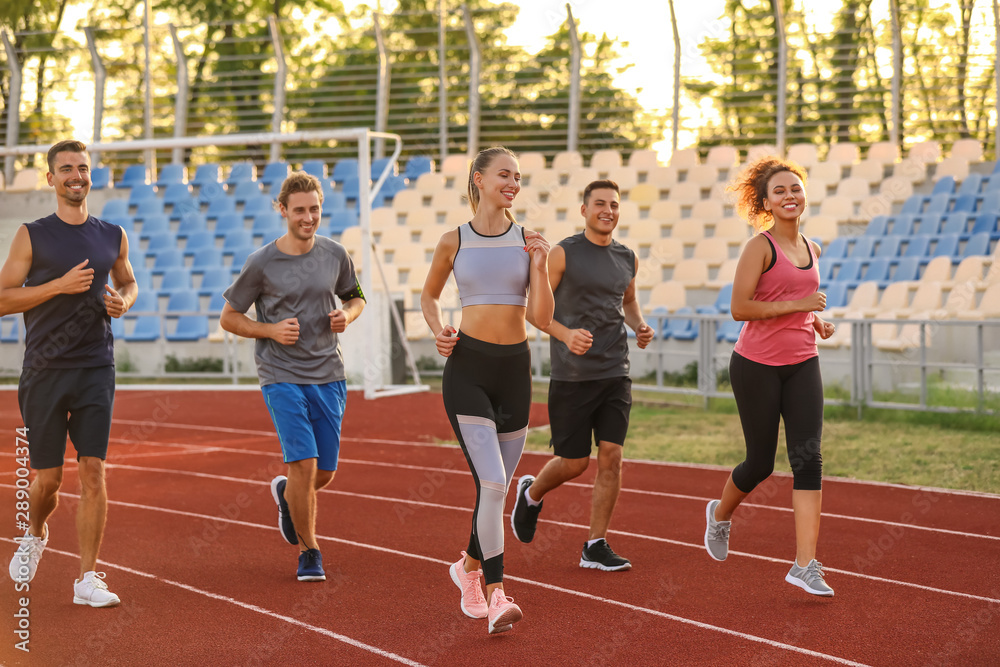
589	296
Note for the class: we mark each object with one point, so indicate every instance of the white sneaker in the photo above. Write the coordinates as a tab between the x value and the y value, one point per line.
25	560
93	591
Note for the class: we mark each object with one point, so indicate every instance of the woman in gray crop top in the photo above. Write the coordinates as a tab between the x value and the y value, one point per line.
502	276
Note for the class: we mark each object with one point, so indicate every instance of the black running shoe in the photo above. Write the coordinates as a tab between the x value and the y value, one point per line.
524	518
284	517
602	557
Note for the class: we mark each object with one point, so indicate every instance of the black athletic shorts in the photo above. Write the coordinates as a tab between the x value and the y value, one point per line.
57	401
582	413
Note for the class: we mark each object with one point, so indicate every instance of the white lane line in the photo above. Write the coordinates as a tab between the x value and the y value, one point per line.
565	524
624	489
669	464
438	561
246	605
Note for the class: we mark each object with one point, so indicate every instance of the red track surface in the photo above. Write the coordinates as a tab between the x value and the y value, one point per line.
193	550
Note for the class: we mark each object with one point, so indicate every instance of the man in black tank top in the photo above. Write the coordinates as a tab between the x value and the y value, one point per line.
56	273
590	393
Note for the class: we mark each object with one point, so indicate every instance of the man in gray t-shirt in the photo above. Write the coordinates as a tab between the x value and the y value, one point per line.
590	393
292	283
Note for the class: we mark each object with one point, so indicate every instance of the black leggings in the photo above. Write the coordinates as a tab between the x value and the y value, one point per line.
763	395
487	394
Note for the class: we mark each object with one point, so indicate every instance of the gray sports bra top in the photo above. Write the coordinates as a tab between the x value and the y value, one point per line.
492	269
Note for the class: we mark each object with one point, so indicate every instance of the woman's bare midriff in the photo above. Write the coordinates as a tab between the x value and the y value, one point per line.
501	325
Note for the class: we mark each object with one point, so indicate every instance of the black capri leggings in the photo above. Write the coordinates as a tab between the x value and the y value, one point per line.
763	395
487	394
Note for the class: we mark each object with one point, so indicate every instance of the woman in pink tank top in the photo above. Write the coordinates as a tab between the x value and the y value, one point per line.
774	369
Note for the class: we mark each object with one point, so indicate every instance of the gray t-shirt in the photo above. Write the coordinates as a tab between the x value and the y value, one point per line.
281	286
589	296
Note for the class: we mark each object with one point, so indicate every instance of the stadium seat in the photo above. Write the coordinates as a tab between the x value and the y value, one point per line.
135	174
10	328
668	294
171	174
803	154
418	165
188	328
926	151
971	185
154	224
220	206
145	303
148	208
378	165
268	223
883	152
344	168
315	168
350	187
939	203
888	246
986	222
723	156
274	174
956	223
847	270
100	178
114	208
125	222
160	241
863	297
837	249
946	246
681	328
207	259
205	175
843	153
240	172
139	192
729	331
190	223
913	205
944	186
928	225
896	295
239	256
965	203
863	247
257	205
214	281
168	259
978	244
175	280
724	298
145	329
606	160
199	241
245	190
874	270
684	158
970	150
341	220
227	223
877	226
916	246
906	269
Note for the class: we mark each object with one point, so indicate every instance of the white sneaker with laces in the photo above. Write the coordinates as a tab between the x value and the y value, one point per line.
25	560
91	590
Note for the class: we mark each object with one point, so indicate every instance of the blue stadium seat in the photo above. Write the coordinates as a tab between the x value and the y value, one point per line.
245	190
877	226
145	302
826	266
863	247
239	256
979	244
341	220
274	174
268	223
417	165
259	204
206	174
938	204
206	259
177	194
681	328
847	271
229	222
135	174
907	268
991	183
944	186
219	206
381	163
183	301
317	168
350	187
947	246
241	171
966	203
837	249
10	328
986	222
729	331
143	278
875	270
345	167
724	298
154	224
189	328
117	328
991	202
146	329
902	224
333	201
836	295
888	246
171	174
190	223
956	223
971	185
913	205
114	208
237	238
140	192
125	222
929	224
100	178
917	246
216	302
199	241
147	208
214	281
175	280
160	241
168	259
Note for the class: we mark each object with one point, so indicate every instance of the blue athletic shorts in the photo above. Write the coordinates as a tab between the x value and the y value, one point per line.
307	418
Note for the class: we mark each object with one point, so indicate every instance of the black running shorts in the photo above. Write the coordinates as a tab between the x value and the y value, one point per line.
59	401
582	413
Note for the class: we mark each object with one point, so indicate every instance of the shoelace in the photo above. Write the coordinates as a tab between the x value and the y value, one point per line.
34	547
720	532
97	580
471	584
814	571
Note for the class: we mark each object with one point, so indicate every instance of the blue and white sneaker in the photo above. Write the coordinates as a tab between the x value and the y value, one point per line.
284	518
311	566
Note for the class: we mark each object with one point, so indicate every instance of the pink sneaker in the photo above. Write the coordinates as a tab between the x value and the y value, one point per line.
503	612
473	600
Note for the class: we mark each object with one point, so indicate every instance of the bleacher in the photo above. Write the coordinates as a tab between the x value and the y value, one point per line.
903	239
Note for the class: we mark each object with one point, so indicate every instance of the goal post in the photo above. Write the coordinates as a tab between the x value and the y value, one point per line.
375	339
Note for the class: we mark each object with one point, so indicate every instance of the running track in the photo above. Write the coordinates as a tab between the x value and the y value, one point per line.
193	550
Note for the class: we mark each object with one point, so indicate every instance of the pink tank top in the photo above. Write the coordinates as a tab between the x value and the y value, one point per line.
787	339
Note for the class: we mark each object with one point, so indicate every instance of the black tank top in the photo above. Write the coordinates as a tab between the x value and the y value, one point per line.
589	296
70	330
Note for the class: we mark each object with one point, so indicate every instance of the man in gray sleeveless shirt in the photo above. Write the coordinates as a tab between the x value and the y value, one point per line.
292	282
590	393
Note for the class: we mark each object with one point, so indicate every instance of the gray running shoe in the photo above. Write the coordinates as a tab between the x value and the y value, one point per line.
716	533
809	578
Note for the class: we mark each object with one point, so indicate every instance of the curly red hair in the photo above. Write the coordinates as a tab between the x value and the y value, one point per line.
751	189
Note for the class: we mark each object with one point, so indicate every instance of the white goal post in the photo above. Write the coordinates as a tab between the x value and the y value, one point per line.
375	339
